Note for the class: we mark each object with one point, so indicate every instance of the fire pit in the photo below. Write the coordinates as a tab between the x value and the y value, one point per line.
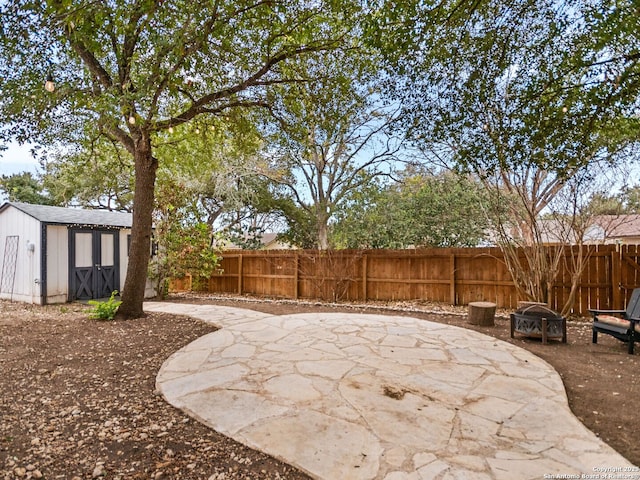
539	321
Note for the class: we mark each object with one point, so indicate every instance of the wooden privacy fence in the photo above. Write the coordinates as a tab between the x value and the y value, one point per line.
455	276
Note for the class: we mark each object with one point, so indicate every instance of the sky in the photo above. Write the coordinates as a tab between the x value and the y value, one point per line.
17	159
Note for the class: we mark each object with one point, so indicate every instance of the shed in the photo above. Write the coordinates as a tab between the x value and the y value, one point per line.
56	254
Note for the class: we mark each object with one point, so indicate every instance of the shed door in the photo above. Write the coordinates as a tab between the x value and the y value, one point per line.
94	271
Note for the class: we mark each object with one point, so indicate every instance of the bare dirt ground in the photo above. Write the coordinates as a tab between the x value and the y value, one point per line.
78	400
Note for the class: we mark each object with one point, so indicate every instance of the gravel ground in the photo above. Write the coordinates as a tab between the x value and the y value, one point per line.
78	400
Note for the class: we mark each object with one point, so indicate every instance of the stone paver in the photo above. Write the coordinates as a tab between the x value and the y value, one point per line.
352	396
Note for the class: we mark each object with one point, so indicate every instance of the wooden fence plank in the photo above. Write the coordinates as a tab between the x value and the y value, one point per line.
451	275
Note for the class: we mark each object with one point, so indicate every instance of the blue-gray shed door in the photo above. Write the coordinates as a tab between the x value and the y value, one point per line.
94	267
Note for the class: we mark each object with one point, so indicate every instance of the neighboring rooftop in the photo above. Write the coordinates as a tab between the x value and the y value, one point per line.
268	241
72	216
601	229
619	226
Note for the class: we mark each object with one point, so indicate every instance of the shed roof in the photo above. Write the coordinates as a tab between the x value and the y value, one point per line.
72	216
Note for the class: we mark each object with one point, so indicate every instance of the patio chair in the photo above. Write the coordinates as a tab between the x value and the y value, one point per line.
621	324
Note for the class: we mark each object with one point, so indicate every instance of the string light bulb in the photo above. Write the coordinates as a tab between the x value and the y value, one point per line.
49	84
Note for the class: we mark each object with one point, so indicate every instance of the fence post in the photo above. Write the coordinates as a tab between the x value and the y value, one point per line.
364	277
240	274
296	275
452	278
616	278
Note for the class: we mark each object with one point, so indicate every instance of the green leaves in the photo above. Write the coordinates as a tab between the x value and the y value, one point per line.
24	187
162	60
105	310
332	135
443	210
93	175
488	85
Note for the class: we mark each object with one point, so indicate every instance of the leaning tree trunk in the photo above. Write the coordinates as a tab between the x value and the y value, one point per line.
141	230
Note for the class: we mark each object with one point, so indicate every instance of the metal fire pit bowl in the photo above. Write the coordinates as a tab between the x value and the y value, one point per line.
539	321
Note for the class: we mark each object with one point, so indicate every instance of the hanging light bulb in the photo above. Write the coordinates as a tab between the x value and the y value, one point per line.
170	129
49	85
132	120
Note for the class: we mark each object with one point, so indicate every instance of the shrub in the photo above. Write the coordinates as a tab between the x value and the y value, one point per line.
105	310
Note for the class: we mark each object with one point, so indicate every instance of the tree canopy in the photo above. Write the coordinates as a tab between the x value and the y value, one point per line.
421	210
24	187
129	70
495	88
528	95
497	84
331	135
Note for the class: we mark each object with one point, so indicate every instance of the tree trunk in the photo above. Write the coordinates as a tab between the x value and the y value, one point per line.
141	230
322	220
482	313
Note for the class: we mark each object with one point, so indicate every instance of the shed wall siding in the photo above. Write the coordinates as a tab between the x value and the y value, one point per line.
124	255
26	286
57	264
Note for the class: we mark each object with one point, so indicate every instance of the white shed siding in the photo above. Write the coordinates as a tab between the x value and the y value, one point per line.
125	233
57	264
124	255
25	285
